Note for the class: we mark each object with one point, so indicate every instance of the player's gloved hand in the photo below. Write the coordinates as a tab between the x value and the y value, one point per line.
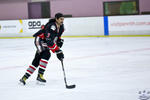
60	54
60	42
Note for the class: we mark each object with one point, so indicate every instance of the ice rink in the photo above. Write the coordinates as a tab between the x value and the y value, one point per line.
115	68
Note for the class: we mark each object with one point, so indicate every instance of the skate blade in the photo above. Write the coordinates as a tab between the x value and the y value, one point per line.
21	84
40	83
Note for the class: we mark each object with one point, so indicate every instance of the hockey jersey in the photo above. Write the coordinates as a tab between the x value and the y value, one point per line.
50	34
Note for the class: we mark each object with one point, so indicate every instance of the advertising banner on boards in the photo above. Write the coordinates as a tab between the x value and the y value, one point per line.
33	25
129	25
11	27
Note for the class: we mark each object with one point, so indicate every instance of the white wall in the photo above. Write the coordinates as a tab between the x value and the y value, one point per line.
84	26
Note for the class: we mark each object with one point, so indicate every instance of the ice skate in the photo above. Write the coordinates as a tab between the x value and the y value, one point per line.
41	80
23	81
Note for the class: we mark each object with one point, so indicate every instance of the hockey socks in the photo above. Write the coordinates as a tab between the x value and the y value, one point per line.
30	70
28	73
42	66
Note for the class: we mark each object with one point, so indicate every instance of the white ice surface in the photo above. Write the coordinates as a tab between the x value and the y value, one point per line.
102	69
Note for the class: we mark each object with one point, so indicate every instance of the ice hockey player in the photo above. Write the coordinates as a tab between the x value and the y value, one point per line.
47	39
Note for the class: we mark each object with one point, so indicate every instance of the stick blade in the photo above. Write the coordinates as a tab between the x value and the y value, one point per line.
70	86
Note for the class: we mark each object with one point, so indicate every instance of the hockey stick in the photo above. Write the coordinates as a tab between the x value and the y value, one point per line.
67	86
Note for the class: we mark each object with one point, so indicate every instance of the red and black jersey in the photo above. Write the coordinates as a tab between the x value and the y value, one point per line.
50	34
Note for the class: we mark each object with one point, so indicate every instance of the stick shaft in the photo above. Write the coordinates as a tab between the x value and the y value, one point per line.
64	72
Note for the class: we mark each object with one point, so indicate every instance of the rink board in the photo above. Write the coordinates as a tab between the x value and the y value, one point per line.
113	26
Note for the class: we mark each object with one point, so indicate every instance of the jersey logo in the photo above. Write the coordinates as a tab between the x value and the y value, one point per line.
53	27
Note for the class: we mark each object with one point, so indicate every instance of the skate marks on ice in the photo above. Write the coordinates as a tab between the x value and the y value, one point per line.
87	57
112	69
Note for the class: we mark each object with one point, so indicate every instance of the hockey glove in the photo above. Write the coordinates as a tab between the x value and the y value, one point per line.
60	54
60	42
